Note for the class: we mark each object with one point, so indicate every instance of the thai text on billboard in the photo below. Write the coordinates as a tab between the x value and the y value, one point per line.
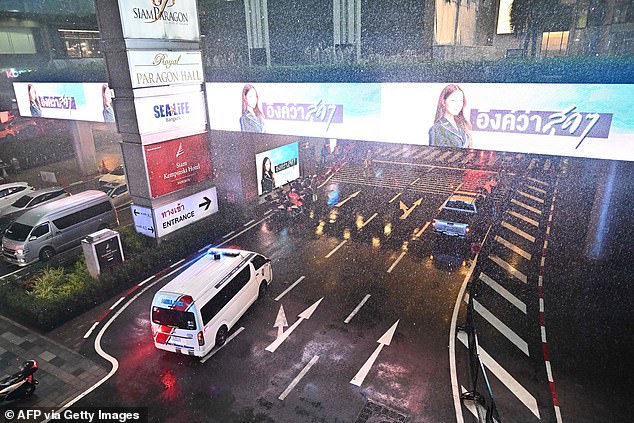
277	167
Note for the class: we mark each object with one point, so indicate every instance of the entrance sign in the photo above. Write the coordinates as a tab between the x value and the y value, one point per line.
178	214
159	19
157	67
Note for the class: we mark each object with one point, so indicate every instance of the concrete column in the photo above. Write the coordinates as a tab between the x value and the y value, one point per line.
84	146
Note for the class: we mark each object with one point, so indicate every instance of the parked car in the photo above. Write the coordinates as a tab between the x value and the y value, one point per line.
117	175
27	202
11	192
461	216
118	193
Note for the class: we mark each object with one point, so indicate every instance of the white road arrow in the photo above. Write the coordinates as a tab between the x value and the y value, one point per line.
304	315
386	339
408	211
280	321
350	197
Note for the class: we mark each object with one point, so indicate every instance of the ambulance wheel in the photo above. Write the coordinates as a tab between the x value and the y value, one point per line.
263	288
221	336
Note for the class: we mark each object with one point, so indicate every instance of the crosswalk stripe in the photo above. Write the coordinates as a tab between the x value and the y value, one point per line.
524	218
455	157
433	154
503	292
532	197
472	406
538	181
518	231
505	377
445	155
501	327
506	266
420	154
526	206
539	190
513	247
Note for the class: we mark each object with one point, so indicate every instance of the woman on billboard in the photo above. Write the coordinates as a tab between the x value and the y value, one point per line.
451	127
252	119
34	102
106	95
268	180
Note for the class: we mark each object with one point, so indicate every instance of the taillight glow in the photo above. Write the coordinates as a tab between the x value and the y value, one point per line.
201	339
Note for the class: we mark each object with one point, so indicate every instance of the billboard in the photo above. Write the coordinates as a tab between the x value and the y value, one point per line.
153	68
65	100
581	120
175	164
277	167
159	19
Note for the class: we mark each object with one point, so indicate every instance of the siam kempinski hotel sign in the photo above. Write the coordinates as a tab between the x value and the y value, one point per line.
159	19
156	68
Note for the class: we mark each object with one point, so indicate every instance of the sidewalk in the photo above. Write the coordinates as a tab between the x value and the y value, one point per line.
63	374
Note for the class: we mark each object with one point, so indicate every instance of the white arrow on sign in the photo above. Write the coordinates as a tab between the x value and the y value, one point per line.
386	339
280	321
408	211
304	315
350	197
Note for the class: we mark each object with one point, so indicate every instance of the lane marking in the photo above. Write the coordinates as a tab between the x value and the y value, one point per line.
145	281
538	181
444	155
215	350
248	223
268	211
419	233
501	327
242	231
112	307
384	340
13	273
532	197
518	231
471	406
94	325
356	310
505	377
298	378
394	198
208	246
524	218
396	262
228	235
510	269
414	181
503	292
526	206
539	190
513	247
549	371
368	221
176	264
279	297
326	181
543	334
336	248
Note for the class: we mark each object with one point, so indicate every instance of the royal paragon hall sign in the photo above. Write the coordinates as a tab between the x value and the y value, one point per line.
160	104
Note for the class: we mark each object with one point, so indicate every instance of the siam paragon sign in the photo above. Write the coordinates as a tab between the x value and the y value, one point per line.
159	19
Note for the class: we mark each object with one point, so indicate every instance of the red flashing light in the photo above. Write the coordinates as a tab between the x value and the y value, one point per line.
201	339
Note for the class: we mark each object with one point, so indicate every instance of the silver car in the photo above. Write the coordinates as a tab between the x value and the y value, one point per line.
27	202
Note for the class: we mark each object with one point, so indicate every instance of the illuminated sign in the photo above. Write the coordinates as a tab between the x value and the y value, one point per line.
65	100
581	120
170	116
175	164
156	68
178	214
159	19
277	167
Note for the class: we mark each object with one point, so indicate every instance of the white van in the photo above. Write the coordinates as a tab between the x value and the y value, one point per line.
195	311
56	226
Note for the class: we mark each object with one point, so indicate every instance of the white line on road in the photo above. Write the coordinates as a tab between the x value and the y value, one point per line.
326	181
356	310
501	327
228	235
177	263
279	297
543	333
336	248
268	211
539	190
12	273
538	181
94	325
145	281
415	180
513	247
368	221
506	266
503	292
526	206
394	198
117	303
242	231
549	372
298	378
524	218
215	350
471	406
248	223
505	377
532	197
518	231
419	233
396	262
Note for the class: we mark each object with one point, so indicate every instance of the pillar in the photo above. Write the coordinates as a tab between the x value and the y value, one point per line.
84	146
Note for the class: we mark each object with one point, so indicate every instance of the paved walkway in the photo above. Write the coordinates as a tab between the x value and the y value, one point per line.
63	374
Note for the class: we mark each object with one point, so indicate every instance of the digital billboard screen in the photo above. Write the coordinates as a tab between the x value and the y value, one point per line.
581	120
86	101
277	167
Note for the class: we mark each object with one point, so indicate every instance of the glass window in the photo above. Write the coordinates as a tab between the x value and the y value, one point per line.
80	43
225	295
258	261
40	230
18	232
17	41
121	190
174	318
22	202
554	43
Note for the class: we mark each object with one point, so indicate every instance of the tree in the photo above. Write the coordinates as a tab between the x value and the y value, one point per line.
531	18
